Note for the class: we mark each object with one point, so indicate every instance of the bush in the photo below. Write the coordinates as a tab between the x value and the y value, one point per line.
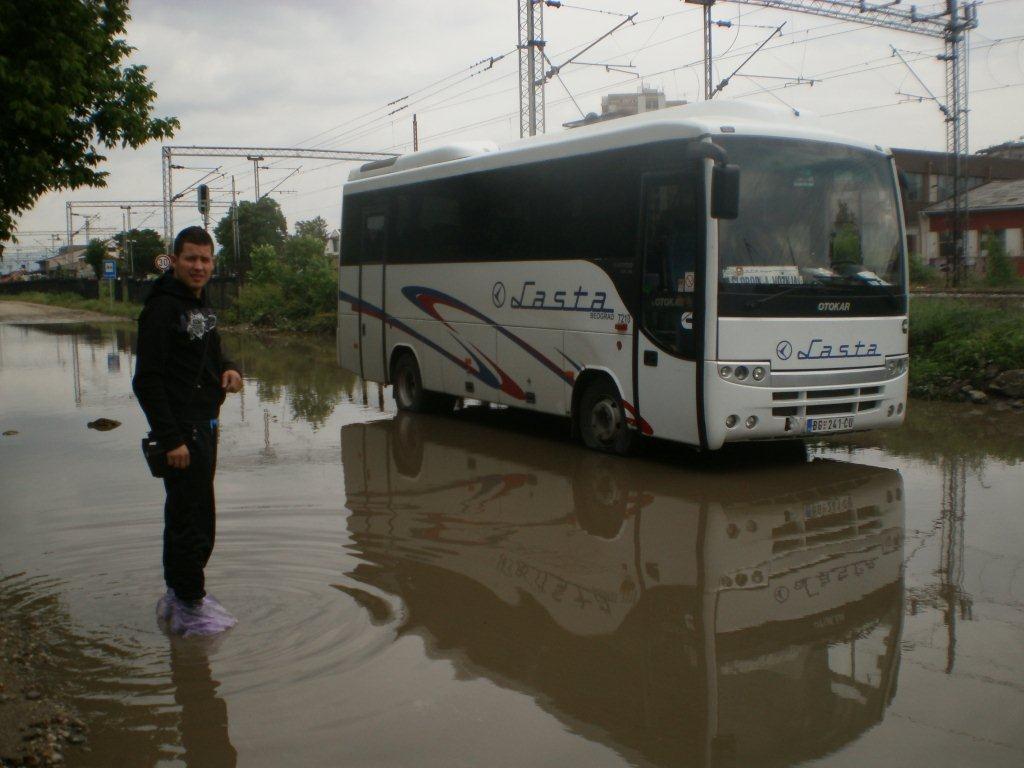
999	269
921	273
955	340
295	290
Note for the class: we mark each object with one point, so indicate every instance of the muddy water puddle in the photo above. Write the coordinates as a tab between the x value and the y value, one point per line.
476	590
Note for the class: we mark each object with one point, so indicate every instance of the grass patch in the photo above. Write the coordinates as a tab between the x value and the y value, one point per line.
953	340
74	301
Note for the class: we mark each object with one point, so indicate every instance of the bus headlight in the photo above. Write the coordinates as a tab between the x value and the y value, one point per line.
725	371
751	422
892	367
758	373
730	421
741	372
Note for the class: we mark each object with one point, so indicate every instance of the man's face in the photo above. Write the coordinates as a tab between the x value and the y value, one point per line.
193	266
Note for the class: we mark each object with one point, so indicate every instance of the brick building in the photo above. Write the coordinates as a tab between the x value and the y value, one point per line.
929	179
996	208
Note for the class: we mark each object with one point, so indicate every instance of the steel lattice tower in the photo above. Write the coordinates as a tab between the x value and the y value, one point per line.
531	67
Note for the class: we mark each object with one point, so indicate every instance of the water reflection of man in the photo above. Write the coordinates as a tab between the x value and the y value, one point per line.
204	715
181	379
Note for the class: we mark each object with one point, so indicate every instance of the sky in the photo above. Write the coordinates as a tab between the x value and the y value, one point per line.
350	74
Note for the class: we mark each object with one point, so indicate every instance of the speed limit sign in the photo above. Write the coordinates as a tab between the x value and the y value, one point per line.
162	262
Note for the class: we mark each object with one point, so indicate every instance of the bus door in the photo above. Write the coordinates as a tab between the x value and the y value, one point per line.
372	350
671	302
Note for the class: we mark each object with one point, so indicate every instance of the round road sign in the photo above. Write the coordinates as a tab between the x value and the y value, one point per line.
162	262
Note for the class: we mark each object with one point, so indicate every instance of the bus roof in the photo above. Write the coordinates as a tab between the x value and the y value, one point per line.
685	122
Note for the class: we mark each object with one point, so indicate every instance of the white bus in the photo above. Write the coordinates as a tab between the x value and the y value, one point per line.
586	274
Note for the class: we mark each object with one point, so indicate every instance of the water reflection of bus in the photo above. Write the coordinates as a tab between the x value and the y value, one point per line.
700	618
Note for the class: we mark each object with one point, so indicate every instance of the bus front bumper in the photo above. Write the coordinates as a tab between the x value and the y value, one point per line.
797	404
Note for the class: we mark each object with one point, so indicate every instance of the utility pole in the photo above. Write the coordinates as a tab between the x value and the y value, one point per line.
955	57
234	228
415	135
256	160
127	243
708	76
531	67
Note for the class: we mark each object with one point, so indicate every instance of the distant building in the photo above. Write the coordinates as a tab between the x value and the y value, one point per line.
929	180
332	246
14	276
1013	150
996	207
70	260
643	100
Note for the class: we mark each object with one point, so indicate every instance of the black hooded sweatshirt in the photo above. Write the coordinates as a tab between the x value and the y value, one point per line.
177	334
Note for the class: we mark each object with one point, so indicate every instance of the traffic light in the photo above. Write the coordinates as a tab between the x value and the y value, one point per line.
203	193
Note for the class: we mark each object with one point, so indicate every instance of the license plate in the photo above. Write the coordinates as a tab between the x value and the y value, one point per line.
829	424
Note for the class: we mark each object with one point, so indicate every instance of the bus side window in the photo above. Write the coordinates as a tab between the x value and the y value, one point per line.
373	238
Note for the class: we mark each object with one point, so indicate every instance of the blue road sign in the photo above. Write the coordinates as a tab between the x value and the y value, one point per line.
109	269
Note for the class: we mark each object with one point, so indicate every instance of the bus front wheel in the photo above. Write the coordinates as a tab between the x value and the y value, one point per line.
602	419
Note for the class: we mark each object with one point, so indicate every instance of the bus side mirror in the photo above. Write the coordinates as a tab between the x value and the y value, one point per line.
725	191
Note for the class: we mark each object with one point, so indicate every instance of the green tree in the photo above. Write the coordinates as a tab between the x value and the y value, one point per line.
64	96
316	228
259	223
95	253
144	245
293	290
998	267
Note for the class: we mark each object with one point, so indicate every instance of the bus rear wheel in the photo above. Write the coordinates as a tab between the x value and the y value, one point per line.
409	392
602	419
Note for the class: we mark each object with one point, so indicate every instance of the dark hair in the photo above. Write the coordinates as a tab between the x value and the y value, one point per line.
194	235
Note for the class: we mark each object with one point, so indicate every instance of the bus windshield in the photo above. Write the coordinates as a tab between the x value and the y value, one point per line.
818	226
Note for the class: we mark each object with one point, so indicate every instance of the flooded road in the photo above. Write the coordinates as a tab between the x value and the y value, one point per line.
479	591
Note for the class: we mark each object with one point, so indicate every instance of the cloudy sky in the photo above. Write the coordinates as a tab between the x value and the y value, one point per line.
312	73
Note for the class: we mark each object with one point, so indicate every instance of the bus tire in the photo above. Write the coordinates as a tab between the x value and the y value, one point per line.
409	392
601	419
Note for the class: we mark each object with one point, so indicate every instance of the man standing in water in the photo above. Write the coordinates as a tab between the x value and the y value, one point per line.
181	379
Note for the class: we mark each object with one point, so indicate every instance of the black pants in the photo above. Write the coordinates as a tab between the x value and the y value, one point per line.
190	524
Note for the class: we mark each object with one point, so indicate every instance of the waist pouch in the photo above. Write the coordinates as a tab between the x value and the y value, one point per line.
155	455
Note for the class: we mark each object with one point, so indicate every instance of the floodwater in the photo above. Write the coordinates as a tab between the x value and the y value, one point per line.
477	590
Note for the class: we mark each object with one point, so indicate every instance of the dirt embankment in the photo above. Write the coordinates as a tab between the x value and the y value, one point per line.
38	724
25	312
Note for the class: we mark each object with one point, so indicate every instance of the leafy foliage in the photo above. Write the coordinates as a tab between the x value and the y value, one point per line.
956	340
259	223
999	269
95	253
144	245
64	96
294	290
921	273
315	228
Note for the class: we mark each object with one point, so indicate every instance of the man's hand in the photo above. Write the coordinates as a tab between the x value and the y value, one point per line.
231	381
179	458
